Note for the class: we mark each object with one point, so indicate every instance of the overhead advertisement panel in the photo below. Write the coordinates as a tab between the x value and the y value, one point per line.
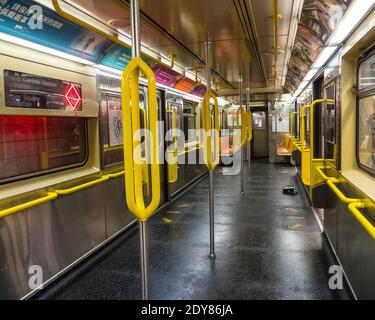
31	21
117	57
318	20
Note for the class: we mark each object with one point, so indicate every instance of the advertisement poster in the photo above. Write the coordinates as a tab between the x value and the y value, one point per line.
118	57
30	21
115	121
318	20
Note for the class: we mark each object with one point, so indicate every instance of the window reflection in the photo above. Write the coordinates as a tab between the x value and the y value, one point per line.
366	132
32	145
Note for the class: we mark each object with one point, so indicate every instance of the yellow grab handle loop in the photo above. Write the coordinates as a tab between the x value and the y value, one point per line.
173	162
83	186
366	224
332	184
241	112
132	151
50	196
211	129
174	129
249	126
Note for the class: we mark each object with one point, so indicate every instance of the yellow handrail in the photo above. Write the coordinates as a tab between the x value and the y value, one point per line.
249	126
131	119
323	175
82	186
312	110
332	184
209	130
241	111
50	196
173	164
366	224
303	142
116	175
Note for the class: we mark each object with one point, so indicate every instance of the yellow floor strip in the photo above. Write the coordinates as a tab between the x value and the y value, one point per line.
166	220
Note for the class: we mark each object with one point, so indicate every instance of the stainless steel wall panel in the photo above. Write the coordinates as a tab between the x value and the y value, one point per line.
117	213
53	236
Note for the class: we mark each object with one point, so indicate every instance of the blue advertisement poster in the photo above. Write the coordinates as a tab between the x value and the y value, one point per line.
30	21
118	57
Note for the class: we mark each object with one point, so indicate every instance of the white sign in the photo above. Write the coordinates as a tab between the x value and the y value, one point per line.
115	121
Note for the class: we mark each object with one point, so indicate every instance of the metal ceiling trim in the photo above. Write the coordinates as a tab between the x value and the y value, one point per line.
246	16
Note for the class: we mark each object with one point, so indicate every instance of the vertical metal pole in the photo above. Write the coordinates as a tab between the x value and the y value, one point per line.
249	143
211	182
143	230
136	34
242	149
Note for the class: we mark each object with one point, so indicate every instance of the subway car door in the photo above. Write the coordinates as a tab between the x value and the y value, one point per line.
260	135
331	142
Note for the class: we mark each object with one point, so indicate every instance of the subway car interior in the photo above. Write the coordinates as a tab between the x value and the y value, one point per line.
187	150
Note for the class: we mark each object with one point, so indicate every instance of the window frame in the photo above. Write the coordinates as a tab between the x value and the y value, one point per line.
189	105
362	94
42	173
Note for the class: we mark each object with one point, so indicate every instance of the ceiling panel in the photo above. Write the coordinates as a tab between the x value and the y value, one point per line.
182	27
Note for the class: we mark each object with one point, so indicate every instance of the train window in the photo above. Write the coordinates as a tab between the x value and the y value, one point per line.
331	115
32	146
190	121
112	134
367	73
366	115
259	120
366	132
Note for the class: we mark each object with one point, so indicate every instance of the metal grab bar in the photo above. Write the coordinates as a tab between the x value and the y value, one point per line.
208	129
116	175
241	111
7	212
131	120
82	186
332	184
366	224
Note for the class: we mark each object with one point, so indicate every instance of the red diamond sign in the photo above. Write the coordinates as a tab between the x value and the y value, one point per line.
73	97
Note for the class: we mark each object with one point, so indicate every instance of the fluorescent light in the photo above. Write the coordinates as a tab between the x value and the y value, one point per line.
38	47
326	53
222	102
302	85
311	74
357	10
